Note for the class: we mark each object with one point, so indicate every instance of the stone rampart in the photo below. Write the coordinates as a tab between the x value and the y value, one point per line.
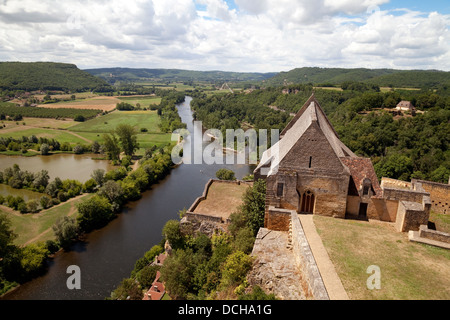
277	219
439	195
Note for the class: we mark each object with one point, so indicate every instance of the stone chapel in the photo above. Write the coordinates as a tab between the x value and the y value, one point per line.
311	171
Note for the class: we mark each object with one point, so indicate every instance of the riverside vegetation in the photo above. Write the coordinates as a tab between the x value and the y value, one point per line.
202	267
108	193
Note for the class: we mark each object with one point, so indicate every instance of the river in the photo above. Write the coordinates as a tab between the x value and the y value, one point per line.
108	255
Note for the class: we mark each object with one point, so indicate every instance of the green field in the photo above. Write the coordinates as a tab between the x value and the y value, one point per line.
143	101
104	124
37	227
91	130
94	129
61	135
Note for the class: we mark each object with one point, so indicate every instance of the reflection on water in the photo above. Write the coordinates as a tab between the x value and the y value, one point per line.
64	166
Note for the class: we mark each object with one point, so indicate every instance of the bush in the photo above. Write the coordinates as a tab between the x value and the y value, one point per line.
94	213
45	149
225	174
45	202
79	118
147	275
78	149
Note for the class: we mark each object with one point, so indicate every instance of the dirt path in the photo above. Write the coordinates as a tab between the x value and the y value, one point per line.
78	136
330	278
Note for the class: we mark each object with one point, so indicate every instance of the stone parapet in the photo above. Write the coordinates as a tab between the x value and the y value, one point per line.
312	280
424	232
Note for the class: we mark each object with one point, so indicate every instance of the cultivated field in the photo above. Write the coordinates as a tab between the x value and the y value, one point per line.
96	103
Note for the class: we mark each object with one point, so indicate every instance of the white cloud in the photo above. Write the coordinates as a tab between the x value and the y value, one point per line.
263	36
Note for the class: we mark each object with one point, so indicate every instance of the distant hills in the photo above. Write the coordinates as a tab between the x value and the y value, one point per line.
31	76
314	75
380	77
112	75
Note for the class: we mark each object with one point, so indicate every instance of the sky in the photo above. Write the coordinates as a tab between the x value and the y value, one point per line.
228	35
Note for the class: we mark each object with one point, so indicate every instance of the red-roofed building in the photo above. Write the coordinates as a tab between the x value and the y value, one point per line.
156	291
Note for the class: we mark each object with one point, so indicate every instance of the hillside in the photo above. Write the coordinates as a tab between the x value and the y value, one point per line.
380	77
31	76
129	74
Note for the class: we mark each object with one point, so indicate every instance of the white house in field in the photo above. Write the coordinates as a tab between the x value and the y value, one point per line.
405	106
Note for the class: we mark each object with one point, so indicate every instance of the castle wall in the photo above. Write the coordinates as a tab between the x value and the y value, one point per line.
313	284
439	195
382	209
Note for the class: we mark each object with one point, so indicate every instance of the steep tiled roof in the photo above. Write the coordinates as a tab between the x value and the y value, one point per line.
309	113
361	168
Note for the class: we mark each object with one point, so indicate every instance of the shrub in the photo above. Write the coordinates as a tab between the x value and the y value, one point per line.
45	149
78	149
225	174
79	118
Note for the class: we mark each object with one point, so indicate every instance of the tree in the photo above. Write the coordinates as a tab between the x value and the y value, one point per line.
94	213
7	236
45	149
78	149
111	146
33	258
178	272
99	176
45	202
253	207
235	268
128	289
65	229
225	174
172	232
41	179
95	148
112	191
79	118
128	138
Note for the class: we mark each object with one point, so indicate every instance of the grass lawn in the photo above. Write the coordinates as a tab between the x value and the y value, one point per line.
222	199
143	101
60	135
408	270
107	123
38	227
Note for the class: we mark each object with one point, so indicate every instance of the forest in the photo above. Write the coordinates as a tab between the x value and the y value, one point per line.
400	147
31	76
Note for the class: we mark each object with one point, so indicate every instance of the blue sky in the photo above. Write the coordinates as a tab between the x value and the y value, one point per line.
442	6
228	35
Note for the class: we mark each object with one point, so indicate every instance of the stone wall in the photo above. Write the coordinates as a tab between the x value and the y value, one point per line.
312	281
439	195
410	216
277	219
424	232
191	216
404	195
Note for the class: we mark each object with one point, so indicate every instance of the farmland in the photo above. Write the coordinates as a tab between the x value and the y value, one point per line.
55	111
